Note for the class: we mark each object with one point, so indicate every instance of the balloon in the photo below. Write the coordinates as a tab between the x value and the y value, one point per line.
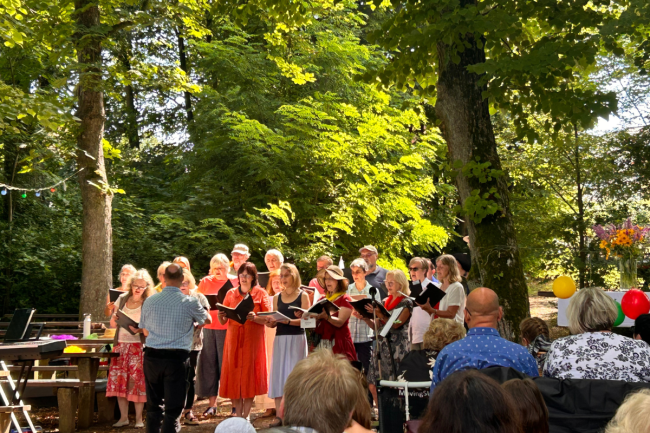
621	316
635	303
564	287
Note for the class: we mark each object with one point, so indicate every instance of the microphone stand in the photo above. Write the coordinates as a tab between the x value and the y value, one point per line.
373	293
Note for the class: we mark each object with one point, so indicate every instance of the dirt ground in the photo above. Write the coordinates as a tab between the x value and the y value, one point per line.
545	308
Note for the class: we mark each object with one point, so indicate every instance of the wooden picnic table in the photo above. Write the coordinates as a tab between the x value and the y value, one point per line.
88	366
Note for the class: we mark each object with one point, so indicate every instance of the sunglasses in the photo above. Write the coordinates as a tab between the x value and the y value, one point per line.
414	269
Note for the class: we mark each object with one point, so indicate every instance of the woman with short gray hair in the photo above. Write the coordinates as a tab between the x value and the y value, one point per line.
594	352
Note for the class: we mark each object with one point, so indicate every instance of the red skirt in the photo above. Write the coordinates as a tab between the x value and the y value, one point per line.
126	373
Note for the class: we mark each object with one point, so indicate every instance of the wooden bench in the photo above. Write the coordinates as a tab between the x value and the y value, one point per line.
5	416
67	396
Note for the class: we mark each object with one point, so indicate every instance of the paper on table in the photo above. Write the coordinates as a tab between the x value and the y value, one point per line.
391	321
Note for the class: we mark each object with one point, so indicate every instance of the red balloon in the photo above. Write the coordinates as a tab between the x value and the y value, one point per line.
635	303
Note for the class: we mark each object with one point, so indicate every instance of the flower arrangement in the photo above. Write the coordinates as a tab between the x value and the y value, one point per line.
624	241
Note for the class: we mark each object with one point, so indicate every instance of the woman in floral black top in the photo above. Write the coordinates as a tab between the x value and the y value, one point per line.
594	352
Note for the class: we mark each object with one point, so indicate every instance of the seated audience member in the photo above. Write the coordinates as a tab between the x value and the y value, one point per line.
594	352
483	347
529	404
633	416
362	415
468	401
642	328
319	394
535	337
235	425
417	364
323	262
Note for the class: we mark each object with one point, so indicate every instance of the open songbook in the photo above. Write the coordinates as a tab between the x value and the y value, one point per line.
389	324
238	313
220	296
431	293
124	321
276	316
319	307
359	303
114	294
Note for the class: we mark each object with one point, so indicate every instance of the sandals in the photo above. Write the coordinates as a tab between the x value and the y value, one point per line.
211	411
190	419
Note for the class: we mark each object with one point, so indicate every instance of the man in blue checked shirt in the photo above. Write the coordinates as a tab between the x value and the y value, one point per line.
483	347
168	319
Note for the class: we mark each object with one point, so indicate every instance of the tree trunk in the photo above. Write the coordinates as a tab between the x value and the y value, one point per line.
132	132
10	166
96	273
582	229
467	129
182	55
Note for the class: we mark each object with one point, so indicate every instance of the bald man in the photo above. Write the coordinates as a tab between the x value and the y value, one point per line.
483	347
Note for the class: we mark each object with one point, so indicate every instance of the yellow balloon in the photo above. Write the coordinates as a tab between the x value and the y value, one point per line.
564	287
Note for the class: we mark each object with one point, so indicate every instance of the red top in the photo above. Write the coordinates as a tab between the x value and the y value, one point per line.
210	286
341	336
243	372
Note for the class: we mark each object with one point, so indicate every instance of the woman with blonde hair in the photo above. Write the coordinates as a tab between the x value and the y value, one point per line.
633	416
452	306
290	342
214	335
273	287
594	352
398	338
126	373
125	274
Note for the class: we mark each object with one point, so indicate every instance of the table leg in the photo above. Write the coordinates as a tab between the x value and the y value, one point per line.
88	368
21	382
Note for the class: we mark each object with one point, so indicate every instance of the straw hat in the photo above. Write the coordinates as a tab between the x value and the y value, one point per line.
333	271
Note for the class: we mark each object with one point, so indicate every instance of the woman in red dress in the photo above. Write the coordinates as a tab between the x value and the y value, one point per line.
334	330
244	374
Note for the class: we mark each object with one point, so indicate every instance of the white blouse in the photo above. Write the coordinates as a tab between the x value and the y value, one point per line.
455	296
598	355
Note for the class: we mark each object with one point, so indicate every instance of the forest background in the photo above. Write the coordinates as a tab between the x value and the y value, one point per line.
226	126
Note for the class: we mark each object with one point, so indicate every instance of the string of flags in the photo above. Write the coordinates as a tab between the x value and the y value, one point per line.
37	191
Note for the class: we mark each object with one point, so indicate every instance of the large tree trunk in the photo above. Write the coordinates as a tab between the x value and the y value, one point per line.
96	274
182	56
467	129
582	229
132	132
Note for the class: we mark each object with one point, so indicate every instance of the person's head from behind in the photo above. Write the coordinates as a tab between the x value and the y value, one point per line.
321	393
591	310
470	401
633	416
219	265
234	425
531	328
323	262
442	332
174	275
642	328
189	282
529	404
482	309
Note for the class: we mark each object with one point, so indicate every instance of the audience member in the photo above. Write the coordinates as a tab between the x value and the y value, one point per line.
594	352
417	365
210	362
468	401
642	328
321	393
633	416
529	405
483	346
376	274
244	373
323	262
235	425
239	255
452	306
273	260
126	373
161	276
361	421
183	262
167	320
333	329
421	319
394	347
125	275
361	333
290	343
188	287
536	338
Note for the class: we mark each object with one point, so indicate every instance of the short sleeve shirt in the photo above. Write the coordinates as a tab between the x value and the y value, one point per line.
455	296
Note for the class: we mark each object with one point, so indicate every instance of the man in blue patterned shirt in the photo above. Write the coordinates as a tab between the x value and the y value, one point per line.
483	347
168	319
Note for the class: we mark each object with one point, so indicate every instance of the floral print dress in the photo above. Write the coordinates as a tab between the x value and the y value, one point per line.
399	344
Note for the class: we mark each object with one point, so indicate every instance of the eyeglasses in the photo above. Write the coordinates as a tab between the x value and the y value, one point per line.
414	269
185	284
245	276
468	312
366	255
390	283
138	287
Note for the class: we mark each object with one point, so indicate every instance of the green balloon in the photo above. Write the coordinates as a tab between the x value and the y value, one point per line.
621	316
